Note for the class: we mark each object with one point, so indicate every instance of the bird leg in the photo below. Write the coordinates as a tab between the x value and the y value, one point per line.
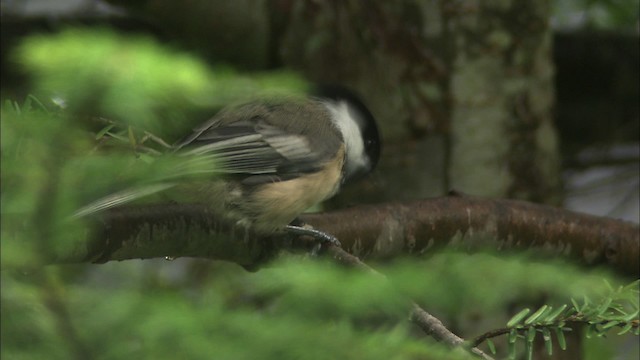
298	228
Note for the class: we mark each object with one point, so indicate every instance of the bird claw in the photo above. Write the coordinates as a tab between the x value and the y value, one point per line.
322	237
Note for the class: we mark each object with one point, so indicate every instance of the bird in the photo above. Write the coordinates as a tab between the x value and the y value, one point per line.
274	158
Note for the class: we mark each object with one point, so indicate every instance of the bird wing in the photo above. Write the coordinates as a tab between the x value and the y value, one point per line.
253	148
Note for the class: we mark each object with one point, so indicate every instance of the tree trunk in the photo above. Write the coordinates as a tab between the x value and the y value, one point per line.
463	91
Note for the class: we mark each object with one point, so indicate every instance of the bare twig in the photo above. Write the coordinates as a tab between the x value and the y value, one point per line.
431	325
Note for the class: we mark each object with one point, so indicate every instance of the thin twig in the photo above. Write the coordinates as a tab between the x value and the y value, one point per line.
427	322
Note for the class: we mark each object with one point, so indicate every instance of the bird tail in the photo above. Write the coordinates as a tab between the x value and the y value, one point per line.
120	198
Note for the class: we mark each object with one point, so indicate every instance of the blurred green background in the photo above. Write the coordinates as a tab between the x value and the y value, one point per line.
90	87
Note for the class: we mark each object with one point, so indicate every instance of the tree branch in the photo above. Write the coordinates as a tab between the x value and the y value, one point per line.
368	231
469	223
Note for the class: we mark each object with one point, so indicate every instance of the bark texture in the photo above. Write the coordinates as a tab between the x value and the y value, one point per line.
369	232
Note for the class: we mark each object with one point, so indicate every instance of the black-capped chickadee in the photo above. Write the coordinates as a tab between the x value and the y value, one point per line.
277	158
